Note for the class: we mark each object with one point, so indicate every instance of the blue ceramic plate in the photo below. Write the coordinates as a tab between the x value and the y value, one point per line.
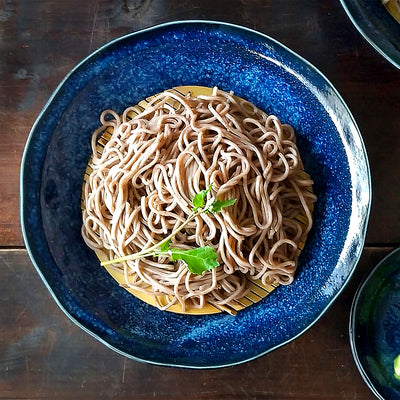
375	327
138	65
377	26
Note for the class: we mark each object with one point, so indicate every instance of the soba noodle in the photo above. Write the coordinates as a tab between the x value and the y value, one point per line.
145	178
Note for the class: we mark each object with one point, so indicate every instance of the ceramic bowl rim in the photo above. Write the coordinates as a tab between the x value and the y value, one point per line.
352	321
93	54
369	36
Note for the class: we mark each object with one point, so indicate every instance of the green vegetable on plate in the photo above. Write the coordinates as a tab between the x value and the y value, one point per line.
198	259
396	365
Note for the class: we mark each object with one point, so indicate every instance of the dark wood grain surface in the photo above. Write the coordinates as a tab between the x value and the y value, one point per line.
45	356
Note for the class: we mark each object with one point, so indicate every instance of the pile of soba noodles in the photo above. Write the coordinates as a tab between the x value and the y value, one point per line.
142	184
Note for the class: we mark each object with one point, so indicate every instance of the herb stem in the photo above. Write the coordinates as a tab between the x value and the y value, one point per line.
145	252
199	259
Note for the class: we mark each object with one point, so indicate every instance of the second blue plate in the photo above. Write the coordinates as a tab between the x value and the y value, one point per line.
377	26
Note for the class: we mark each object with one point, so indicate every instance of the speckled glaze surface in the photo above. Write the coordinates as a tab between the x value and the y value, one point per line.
133	67
377	26
375	327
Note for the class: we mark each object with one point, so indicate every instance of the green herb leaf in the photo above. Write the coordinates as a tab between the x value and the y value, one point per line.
199	200
396	365
165	246
218	205
198	260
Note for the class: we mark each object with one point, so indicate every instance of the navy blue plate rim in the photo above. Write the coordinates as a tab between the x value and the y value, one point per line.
373	25
357	247
362	368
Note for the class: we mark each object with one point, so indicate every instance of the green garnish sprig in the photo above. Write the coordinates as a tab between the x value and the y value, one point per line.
198	259
396	366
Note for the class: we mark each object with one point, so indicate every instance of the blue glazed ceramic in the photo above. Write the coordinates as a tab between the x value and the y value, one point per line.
377	26
138	65
375	327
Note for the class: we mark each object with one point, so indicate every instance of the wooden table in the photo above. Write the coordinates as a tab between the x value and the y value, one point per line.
45	356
